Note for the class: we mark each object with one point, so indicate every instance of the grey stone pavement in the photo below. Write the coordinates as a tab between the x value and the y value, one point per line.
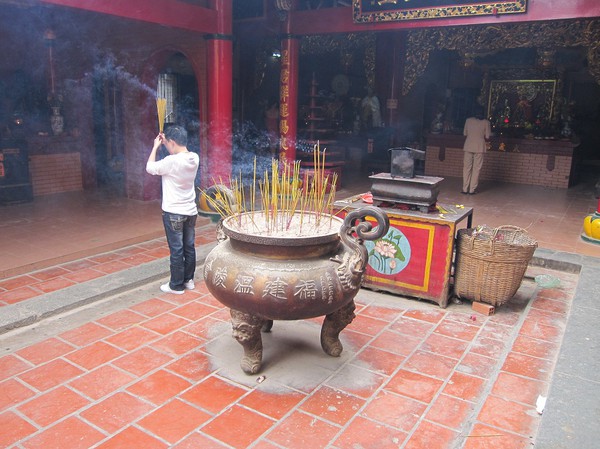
570	419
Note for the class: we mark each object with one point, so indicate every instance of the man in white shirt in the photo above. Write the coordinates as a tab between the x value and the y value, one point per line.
178	171
478	131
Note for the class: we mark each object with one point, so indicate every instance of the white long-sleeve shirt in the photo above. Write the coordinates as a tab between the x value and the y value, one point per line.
178	172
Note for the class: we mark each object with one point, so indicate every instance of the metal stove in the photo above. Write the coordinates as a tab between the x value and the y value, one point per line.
401	187
418	192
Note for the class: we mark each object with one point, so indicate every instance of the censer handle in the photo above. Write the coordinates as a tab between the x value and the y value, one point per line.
355	222
356	229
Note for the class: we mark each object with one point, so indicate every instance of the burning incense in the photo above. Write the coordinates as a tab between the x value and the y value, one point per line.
286	195
161	107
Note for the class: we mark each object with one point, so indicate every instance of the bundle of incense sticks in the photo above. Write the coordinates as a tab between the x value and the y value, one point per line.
161	107
285	192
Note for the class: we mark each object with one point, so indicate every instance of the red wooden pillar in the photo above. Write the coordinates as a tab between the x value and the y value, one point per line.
288	97
219	96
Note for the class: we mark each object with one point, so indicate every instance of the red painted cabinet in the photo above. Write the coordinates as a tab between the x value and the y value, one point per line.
415	257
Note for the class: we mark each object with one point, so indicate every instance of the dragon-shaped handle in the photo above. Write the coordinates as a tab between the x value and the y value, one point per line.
356	229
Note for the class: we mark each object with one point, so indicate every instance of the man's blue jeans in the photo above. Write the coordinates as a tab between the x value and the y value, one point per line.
181	234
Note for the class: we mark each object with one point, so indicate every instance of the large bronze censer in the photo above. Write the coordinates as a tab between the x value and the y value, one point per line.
290	276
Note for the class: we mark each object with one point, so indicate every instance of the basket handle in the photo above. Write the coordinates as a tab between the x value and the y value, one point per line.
505	228
471	238
510	228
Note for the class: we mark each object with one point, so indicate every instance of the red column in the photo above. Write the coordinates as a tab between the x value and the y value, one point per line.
288	97
219	96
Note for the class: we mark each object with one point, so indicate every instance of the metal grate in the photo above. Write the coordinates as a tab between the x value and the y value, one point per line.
167	88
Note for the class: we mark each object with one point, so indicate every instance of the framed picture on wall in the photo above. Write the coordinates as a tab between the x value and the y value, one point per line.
517	103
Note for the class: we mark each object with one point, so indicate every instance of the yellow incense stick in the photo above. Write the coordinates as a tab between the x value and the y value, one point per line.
161	107
284	192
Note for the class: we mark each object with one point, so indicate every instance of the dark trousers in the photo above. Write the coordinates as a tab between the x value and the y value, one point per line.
181	234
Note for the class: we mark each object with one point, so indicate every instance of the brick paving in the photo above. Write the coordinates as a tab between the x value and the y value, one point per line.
162	370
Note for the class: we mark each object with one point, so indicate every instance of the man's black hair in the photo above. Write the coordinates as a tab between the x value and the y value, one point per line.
479	112
178	134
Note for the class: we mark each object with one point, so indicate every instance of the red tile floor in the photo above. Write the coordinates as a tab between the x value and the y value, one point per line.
145	369
161	370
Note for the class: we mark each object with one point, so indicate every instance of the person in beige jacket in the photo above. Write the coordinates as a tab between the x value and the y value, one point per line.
478	131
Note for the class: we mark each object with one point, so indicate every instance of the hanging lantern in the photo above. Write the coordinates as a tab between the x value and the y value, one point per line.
283	5
49	38
467	60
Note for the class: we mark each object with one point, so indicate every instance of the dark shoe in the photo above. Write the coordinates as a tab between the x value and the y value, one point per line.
463	192
474	192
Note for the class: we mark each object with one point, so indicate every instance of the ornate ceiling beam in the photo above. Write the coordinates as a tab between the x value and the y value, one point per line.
481	39
346	45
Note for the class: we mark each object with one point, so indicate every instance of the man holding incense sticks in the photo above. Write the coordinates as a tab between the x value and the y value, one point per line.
178	171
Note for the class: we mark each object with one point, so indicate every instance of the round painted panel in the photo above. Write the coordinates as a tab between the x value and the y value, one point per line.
390	254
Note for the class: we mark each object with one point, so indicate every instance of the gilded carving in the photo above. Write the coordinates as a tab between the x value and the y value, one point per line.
348	46
367	11
348	43
521	101
490	38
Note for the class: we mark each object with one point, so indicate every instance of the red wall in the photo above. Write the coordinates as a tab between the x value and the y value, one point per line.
87	45
164	12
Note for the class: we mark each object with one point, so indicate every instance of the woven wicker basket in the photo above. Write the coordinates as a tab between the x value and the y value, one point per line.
491	263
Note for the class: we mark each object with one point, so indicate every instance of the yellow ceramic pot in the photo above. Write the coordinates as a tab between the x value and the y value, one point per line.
591	226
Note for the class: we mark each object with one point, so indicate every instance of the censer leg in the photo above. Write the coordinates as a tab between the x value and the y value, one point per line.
333	324
267	326
246	330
